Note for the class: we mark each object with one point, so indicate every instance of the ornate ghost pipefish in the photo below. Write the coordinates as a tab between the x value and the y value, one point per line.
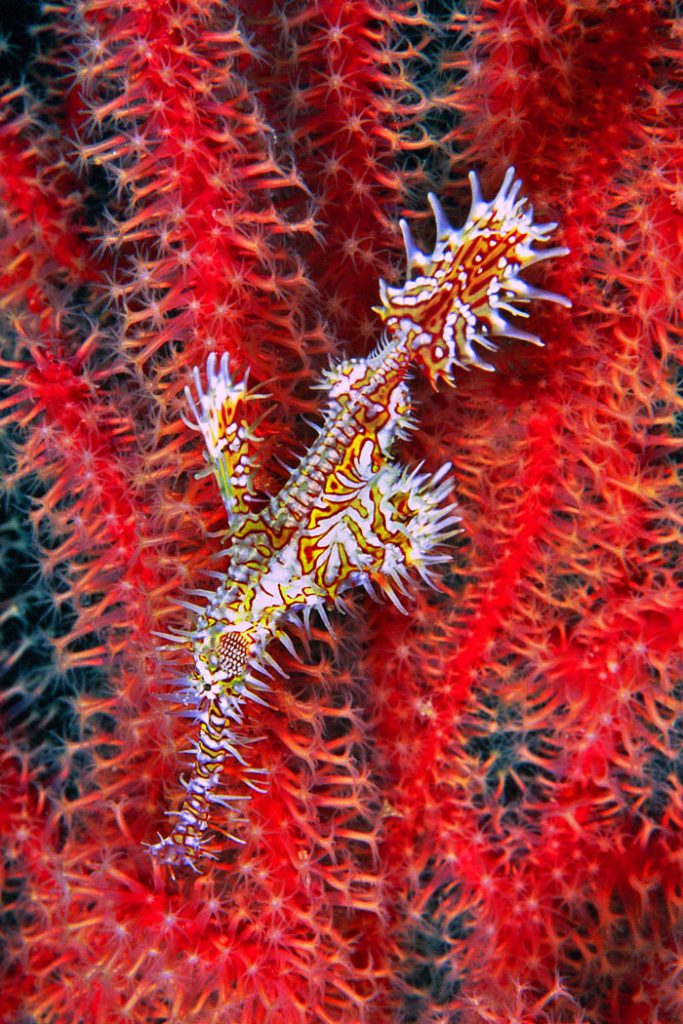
349	514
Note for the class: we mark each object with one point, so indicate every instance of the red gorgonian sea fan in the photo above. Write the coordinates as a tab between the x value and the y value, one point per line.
470	813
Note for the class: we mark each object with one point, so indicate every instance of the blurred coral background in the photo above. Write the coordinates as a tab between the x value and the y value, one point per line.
470	813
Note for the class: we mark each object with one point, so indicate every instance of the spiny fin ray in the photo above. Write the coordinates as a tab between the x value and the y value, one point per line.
219	414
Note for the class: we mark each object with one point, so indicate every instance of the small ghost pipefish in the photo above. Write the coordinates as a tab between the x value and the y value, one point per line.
349	514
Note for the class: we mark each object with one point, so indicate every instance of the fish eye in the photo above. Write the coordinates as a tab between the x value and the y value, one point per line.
232	654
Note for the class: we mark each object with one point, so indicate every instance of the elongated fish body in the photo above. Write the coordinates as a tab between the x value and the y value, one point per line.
349	514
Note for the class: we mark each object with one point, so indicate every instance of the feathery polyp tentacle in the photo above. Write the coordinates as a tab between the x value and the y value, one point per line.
458	295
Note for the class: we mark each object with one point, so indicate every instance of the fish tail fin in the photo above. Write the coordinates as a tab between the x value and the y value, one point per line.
456	299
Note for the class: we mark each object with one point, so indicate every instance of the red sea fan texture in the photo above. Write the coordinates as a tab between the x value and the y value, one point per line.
471	813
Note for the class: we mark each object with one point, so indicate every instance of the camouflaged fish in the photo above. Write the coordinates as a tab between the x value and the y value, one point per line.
349	515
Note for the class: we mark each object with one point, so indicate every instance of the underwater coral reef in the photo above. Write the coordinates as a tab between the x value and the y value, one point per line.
464	810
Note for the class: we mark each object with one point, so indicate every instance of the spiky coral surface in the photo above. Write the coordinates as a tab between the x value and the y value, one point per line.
472	813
